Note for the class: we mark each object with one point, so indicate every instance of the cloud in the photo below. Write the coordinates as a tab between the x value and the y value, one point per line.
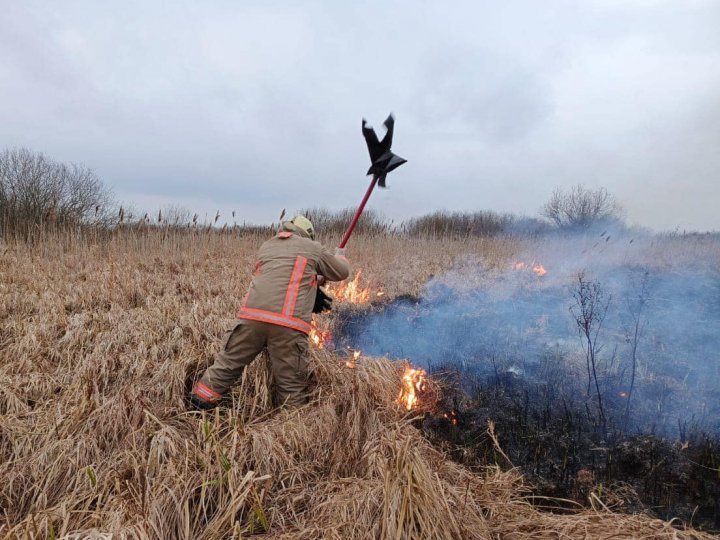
480	93
259	104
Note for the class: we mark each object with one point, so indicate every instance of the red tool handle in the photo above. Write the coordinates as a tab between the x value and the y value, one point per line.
358	213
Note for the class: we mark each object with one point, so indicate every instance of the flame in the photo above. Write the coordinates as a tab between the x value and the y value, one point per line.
319	337
537	268
350	291
453	417
414	382
352	364
622	394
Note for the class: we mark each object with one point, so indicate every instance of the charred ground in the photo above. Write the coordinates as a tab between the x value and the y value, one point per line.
601	373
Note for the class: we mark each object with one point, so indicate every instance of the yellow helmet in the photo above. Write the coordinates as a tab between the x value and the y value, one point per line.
305	224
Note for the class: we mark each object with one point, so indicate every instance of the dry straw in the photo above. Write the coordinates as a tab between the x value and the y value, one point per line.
98	343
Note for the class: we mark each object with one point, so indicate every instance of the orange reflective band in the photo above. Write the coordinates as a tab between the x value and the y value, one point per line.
294	285
274	318
205	393
296	288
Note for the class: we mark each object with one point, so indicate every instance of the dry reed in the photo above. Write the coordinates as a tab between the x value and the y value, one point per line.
97	345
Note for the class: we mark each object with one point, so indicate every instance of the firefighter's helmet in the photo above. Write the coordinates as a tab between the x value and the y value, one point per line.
305	224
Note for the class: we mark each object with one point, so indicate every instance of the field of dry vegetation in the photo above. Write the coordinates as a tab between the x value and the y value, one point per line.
97	345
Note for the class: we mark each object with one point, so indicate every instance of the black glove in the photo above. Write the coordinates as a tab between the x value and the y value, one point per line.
322	302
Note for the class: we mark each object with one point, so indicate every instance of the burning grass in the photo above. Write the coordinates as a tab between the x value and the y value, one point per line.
98	344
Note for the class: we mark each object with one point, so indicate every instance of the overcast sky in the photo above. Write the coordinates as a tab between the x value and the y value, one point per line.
256	106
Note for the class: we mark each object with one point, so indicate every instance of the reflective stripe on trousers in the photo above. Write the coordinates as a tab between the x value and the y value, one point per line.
205	393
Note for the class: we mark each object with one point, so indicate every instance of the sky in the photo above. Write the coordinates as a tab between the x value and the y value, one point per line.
256	106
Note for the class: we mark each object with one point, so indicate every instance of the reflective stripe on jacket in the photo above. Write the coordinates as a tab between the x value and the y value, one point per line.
285	283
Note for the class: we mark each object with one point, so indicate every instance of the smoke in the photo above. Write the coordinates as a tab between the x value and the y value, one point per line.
659	309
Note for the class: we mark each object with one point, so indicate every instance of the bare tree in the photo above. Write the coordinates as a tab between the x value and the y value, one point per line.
581	207
37	193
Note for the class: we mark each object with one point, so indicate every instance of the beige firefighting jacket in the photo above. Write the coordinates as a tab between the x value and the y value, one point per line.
285	283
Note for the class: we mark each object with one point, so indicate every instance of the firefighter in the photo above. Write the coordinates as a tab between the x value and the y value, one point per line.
276	314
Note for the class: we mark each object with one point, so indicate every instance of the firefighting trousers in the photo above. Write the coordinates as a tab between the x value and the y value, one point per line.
288	352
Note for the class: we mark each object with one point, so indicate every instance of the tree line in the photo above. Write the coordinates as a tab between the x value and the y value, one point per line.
39	194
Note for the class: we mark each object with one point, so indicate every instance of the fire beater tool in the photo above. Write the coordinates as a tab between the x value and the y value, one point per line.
382	162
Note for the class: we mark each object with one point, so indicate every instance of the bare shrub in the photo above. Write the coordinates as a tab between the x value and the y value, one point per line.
335	222
174	216
589	310
636	305
455	224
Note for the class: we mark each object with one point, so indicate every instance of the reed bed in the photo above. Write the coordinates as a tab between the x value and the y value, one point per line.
98	343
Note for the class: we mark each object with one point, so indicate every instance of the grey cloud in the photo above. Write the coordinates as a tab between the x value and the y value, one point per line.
258	105
481	92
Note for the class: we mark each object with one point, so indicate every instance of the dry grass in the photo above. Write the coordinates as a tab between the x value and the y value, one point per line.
96	346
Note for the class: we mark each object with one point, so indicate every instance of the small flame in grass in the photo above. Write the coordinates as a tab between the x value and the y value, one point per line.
352	364
623	394
452	416
537	268
318	337
350	291
414	382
